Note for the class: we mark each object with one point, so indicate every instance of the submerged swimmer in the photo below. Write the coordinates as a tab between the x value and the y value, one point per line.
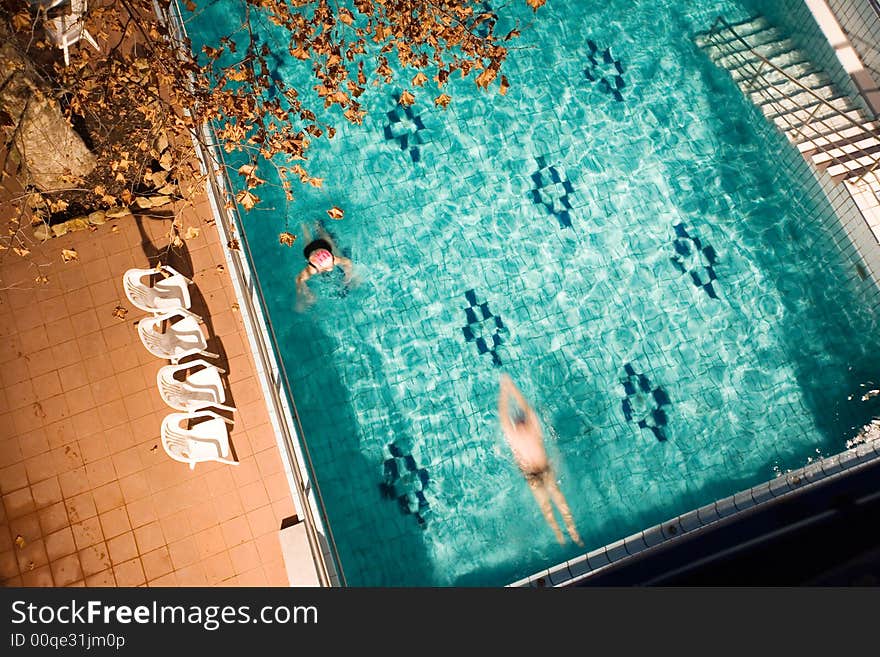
523	435
320	259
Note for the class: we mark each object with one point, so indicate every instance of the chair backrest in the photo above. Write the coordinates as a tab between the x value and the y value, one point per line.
156	343
177	395
176	445
139	294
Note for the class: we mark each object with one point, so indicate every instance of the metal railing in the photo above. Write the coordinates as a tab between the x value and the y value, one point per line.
799	131
263	338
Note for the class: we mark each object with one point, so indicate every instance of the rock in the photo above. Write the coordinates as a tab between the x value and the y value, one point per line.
97	218
59	229
143	202
117	213
53	154
79	223
42	232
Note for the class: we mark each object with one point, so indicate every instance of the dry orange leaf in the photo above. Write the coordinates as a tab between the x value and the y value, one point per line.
20	542
287	239
505	85
69	254
535	4
21	251
335	213
119	312
42	280
247	199
233	244
419	79
191	233
442	100
406	98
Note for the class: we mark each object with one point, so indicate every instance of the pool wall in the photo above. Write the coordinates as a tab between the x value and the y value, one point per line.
856	235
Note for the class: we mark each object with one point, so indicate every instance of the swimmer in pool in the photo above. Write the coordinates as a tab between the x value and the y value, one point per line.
523	434
320	259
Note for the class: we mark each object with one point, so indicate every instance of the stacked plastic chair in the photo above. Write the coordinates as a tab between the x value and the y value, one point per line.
171	332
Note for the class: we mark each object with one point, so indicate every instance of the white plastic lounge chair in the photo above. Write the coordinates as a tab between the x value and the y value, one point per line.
206	441
182	337
167	294
201	386
67	29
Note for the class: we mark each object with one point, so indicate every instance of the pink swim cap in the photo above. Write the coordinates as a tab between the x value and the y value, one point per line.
322	259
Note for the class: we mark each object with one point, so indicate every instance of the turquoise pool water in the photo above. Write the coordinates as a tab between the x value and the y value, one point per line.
673	306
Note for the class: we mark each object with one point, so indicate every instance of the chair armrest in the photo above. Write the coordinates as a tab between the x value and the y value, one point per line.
173	272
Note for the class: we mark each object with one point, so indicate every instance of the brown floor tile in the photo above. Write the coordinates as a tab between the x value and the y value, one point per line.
32	555
105	391
19	503
141	512
21	395
122	547
102	579
80	400
246	472
183	552
262	521
127	462
34	340
52	518
134	487
244	557
66	570
253	496
13	477
252	578
100	472
68	458
269	547
130	573
156	564
81	507
67	354
8	564
210	541
46	492
48	385
73	482
60	433
94	448
168	580
219	569
139	404
176	525
276	573
87	533
59	331
53	409
149	537
60	544
228	506
40	468
115	522
86	424
236	531
37	577
94	559
108	496
34	443
192	575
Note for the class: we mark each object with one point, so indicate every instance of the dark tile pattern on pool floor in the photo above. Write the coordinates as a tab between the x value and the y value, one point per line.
552	190
644	404
483	328
606	71
405	482
404	127
694	257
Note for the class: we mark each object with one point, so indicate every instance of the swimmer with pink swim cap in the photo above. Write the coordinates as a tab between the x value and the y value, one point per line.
320	259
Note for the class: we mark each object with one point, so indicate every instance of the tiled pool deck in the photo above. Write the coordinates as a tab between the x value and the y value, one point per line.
89	497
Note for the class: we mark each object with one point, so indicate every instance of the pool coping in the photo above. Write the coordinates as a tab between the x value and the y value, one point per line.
704	519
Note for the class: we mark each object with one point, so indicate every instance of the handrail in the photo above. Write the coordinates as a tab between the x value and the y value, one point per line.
719	23
211	159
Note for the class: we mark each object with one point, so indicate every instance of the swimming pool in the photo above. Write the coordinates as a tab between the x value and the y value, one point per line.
671	303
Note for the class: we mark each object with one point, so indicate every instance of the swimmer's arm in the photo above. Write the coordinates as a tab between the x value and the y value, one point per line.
346	265
301	288
504	410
